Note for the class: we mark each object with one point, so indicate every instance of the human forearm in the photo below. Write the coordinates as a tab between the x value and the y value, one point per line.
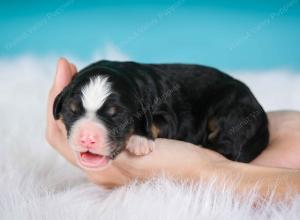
245	177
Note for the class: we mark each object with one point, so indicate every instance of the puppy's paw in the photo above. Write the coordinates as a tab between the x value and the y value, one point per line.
139	145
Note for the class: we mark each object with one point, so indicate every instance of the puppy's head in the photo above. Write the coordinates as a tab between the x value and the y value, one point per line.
97	110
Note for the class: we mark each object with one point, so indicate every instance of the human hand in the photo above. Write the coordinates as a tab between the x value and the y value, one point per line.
56	132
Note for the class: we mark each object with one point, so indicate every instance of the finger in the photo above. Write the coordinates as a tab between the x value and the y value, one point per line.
63	75
62	78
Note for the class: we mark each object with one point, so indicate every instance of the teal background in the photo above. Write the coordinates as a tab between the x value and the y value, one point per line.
226	34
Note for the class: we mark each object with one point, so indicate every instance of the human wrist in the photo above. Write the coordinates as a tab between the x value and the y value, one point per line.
206	170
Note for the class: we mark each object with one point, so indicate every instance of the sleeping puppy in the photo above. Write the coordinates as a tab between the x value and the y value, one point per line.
110	106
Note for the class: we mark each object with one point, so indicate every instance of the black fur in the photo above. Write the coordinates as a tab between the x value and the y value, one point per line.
192	103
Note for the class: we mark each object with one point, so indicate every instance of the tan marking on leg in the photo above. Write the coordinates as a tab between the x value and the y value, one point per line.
155	130
213	129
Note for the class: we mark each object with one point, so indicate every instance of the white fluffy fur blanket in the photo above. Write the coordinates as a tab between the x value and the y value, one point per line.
36	183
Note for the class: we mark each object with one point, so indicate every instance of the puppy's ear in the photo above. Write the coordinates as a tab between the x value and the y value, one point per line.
57	106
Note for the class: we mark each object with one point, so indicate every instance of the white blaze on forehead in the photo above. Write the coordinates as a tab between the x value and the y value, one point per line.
95	93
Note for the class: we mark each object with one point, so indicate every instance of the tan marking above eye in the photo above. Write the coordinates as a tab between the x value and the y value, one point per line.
112	110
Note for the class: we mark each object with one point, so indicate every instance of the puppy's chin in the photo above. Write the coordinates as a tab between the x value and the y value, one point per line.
92	161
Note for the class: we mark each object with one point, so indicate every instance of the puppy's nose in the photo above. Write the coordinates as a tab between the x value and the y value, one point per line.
88	140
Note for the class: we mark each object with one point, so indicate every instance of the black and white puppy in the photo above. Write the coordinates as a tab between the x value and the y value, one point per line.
110	106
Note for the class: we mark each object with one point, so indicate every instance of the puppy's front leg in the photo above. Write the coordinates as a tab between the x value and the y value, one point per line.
140	145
